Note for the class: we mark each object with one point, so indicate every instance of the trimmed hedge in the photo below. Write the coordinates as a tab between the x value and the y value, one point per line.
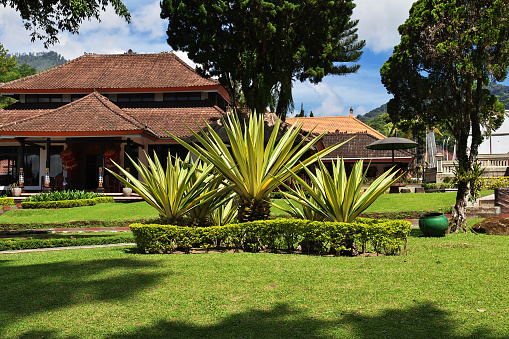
6	201
66	203
404	215
494	182
22	244
381	236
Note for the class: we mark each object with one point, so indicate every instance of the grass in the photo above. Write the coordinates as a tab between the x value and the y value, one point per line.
142	210
110	211
450	287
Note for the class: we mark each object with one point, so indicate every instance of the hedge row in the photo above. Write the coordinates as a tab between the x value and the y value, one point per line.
380	236
66	203
494	182
71	224
405	215
6	201
22	244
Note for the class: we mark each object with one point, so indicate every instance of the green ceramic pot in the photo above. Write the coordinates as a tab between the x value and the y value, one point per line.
433	224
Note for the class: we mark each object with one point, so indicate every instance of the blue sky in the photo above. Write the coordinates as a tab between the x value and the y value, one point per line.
378	23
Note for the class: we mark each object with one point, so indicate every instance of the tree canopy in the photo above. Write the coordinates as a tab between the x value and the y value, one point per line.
265	45
449	52
46	18
9	70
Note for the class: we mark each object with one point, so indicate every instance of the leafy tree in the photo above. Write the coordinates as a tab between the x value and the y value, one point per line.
449	52
9	71
46	18
381	123
265	45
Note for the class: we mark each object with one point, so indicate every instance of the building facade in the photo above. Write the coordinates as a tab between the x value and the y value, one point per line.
73	121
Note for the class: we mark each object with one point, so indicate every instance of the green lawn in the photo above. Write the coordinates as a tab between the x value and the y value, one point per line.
141	210
110	211
450	287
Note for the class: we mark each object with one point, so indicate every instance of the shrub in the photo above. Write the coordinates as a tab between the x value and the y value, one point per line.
6	201
382	236
494	182
70	240
63	195
66	203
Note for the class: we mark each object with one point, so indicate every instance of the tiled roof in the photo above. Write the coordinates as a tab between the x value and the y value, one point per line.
173	116
95	113
336	124
92	113
356	147
113	71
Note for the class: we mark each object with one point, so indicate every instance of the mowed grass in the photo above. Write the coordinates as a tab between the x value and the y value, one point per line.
142	210
450	287
109	211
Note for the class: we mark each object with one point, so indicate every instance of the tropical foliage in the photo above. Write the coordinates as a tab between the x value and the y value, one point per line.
254	168
449	52
335	197
63	195
176	189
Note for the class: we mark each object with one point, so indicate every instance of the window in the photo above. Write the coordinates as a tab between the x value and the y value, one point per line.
123	97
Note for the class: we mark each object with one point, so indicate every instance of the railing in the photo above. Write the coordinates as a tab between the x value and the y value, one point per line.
494	165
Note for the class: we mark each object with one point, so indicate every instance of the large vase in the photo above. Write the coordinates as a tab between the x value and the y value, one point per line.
433	224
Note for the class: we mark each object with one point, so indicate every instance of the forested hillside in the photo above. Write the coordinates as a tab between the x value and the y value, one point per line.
40	60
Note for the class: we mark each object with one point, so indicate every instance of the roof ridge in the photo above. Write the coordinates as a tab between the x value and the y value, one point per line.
368	127
190	68
105	102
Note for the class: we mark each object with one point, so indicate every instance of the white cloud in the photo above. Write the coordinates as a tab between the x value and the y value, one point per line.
146	33
379	21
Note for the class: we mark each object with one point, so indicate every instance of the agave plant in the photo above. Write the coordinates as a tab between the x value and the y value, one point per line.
254	169
225	213
177	190
336	197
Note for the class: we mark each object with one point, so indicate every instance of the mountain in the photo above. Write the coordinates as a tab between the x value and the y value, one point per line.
40	60
373	113
501	91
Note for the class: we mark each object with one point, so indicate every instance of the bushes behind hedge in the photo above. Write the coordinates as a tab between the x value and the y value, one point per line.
380	236
70	240
66	203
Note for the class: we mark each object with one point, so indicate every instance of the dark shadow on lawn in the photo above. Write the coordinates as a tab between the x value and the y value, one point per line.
424	320
29	289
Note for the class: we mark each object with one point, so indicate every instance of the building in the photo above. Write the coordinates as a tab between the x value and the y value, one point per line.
357	136
73	120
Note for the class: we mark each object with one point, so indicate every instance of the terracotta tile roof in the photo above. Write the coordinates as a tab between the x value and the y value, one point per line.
113	71
19	111
336	124
356	147
92	113
173	116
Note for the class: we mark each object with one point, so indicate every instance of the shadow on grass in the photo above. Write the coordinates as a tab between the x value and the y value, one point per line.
31	289
424	320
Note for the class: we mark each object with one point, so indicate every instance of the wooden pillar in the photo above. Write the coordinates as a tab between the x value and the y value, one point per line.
100	186
47	179
21	174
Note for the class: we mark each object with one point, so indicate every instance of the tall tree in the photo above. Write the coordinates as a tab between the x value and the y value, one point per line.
265	44
7	73
450	50
45	18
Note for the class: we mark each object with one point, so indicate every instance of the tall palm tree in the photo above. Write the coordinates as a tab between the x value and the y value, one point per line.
254	168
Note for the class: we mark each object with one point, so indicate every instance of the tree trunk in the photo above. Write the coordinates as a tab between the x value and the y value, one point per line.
251	210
